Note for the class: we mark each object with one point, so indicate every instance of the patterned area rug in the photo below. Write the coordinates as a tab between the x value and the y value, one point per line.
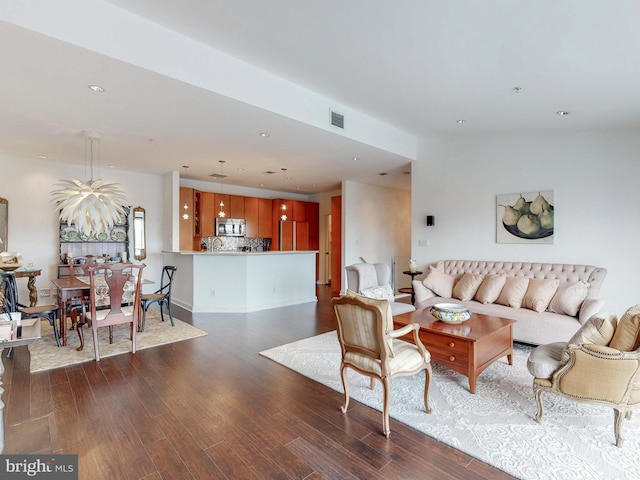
496	425
45	354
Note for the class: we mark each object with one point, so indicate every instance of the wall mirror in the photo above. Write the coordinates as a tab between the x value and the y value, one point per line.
139	240
4	224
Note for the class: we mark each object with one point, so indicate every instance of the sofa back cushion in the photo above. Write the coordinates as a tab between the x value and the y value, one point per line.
539	293
513	292
627	335
490	288
439	282
466	288
569	298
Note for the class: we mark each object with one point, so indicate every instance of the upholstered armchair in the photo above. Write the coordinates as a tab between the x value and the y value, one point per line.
373	280
371	347
599	365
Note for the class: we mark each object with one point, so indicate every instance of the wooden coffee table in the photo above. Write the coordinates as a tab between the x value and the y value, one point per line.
468	348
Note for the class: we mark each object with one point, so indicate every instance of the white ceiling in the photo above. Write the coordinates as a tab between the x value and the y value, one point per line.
417	65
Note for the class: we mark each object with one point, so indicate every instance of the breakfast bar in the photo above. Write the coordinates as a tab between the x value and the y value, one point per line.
237	281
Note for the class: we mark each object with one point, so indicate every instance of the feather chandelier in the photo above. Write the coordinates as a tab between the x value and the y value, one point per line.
93	206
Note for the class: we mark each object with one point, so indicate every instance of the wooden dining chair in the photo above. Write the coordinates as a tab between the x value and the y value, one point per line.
107	286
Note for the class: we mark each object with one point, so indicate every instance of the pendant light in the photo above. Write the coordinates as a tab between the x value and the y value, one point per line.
221	213
185	207
283	207
92	206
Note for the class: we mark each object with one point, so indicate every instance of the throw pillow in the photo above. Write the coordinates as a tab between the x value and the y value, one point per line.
513	291
382	292
598	330
627	336
439	282
490	288
539	293
569	298
387	316
467	286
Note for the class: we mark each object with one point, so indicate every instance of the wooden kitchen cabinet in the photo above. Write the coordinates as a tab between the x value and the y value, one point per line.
236	206
265	206
187	225
258	214
208	213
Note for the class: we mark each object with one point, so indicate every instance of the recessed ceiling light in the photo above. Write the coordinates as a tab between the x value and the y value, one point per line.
112	166
355	159
562	113
460	122
96	88
42	156
264	134
240	169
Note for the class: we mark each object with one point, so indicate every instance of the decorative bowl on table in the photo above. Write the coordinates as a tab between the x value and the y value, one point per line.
452	313
10	261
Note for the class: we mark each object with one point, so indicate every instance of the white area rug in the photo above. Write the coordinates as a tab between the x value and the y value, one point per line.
45	354
496	425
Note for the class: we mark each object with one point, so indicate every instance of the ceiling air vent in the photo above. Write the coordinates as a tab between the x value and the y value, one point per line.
218	175
337	119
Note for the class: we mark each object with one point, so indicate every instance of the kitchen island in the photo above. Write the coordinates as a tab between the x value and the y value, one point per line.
235	281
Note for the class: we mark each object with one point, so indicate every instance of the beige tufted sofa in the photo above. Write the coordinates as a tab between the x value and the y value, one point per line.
531	326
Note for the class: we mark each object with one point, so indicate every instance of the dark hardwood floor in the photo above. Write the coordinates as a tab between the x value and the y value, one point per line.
211	407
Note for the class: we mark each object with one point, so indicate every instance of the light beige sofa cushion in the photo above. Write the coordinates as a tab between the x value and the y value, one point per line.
513	292
490	288
466	288
439	282
569	298
539	293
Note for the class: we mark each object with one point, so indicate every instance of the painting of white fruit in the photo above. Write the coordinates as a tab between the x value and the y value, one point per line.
525	217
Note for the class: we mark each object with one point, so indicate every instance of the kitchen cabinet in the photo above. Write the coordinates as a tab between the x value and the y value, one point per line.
233	205
265	206
208	213
299	211
257	213
187	225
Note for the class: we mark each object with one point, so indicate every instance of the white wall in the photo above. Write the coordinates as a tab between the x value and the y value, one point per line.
33	220
376	224
594	176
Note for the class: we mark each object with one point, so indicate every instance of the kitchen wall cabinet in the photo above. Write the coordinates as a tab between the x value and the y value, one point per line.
208	213
187	225
257	213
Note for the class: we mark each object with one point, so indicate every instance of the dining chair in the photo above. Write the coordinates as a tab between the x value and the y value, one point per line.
371	347
116	280
161	296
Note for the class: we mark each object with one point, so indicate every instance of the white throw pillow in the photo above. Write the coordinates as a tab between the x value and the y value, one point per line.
381	292
439	282
598	330
569	298
513	291
467	286
490	288
539	293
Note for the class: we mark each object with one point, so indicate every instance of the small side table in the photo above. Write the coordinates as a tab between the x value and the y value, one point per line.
410	289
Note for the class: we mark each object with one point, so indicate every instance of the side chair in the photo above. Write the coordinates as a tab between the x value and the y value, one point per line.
161	296
371	347
119	278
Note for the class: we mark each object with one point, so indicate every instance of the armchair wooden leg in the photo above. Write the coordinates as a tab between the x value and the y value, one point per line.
537	393
385	406
428	373
343	374
618	418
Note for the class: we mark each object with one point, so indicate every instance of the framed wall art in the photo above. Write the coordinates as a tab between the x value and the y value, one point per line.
525	217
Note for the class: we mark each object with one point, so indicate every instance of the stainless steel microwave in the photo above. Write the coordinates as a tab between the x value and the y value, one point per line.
230	227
